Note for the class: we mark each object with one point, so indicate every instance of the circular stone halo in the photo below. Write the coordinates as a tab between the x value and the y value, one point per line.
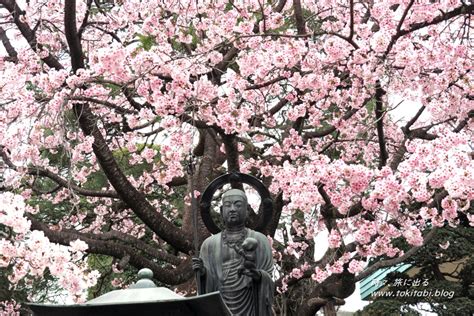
266	204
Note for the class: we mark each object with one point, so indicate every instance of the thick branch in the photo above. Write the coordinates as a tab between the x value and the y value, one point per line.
330	211
277	107
280	5
220	68
331	128
299	19
464	122
196	123
154	252
351	21
128	93
232	153
8	46
414	118
404	15
103	245
397	157
379	115
72	37
177	181
464	9
28	33
127	192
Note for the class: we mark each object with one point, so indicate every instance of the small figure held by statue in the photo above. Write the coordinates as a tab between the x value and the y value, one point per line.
237	262
248	252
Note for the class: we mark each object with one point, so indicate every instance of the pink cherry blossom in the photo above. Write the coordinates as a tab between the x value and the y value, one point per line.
78	245
356	116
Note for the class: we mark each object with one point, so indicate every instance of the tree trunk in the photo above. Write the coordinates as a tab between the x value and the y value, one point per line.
329	309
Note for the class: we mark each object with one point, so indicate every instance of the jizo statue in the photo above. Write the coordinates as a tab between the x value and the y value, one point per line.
237	262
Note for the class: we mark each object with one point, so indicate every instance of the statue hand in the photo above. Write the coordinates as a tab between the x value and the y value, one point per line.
249	264
198	265
255	274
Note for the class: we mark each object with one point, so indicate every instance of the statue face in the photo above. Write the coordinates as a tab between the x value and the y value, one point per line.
234	210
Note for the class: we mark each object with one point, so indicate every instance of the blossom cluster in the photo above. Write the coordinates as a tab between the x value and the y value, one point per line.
309	108
31	253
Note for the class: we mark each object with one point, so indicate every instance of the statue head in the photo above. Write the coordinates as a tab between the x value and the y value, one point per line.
234	208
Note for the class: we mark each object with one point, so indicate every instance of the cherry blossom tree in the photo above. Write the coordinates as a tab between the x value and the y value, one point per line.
102	101
443	266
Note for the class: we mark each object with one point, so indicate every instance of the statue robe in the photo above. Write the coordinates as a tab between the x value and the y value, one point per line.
240	293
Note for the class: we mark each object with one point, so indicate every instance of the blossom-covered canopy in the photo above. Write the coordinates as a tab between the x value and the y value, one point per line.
356	114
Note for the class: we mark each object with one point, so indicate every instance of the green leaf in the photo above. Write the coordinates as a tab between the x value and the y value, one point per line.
370	106
146	41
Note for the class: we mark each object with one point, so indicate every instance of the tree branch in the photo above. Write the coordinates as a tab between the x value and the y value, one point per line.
414	119
277	107
305	35
379	115
72	37
464	122
265	84
196	123
404	15
299	19
177	181
351	21
330	211
395	261
8	46
42	172
280	5
219	69
85	20
128	93
328	130
103	244
128	193
231	151
153	252
397	157
463	9
111	34
110	105
28	33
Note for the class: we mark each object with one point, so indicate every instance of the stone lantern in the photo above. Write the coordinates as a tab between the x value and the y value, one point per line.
141	299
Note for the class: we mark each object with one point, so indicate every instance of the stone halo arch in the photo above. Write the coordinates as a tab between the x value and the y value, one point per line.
266	203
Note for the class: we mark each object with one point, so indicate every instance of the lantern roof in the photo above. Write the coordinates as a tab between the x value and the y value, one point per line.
141	298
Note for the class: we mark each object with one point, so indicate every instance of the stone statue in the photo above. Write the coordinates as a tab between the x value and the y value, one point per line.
237	262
